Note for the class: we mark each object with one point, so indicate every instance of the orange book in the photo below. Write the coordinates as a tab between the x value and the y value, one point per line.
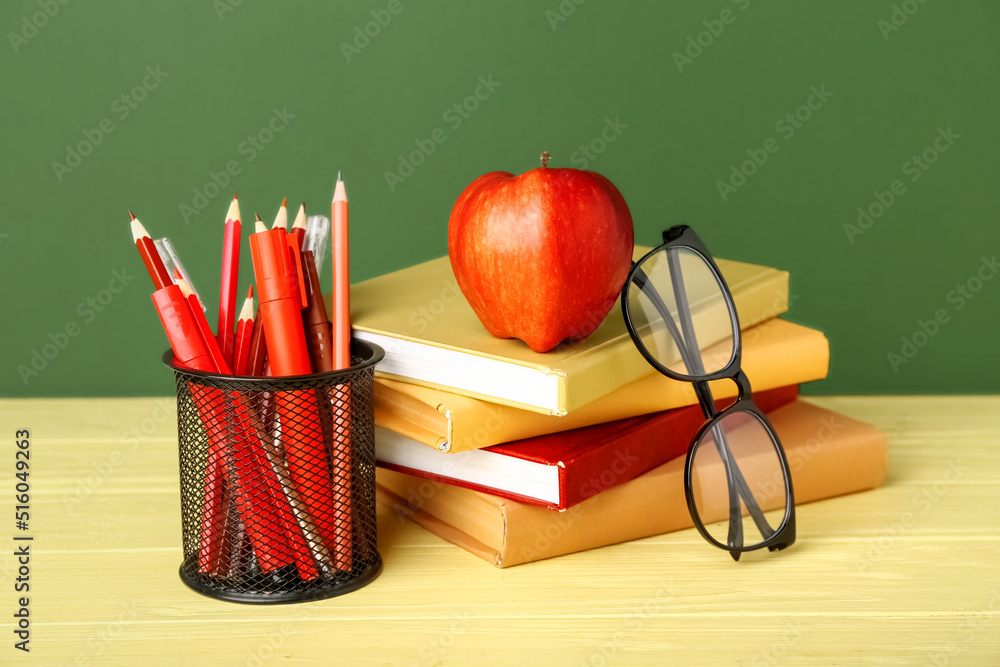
829	455
776	353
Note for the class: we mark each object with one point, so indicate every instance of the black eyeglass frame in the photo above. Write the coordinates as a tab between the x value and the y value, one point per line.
682	236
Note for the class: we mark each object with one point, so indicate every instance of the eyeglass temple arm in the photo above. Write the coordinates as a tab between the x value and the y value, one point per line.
704	392
734	476
689	351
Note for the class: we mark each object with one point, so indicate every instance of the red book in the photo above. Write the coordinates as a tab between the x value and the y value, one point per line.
559	470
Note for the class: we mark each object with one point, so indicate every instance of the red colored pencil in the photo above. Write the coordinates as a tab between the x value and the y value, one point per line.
281	219
341	257
221	364
257	356
150	257
299	228
343	551
230	279
244	334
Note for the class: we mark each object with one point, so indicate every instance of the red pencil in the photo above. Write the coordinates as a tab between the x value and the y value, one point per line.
341	316
343	551
281	219
221	364
257	356
150	257
230	279
244	334
299	228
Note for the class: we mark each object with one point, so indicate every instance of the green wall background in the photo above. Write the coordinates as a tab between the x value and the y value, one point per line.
228	64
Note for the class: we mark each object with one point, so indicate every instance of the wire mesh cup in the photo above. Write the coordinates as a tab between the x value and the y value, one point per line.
277	480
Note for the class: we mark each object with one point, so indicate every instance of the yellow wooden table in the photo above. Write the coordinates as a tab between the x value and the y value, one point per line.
905	575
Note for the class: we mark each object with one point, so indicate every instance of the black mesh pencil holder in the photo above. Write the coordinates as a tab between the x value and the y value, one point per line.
277	480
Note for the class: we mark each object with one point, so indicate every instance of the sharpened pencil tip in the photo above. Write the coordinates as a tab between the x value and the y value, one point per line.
300	218
138	231
250	292
281	219
131	215
246	312
338	176
256	217
234	211
340	193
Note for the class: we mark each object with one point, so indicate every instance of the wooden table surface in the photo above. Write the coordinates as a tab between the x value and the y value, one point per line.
908	574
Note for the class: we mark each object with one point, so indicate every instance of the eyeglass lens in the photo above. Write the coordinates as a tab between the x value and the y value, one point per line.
665	280
751	508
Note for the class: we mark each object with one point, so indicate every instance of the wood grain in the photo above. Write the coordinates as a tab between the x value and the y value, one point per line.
907	574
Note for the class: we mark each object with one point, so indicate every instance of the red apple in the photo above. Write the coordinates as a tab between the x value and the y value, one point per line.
541	256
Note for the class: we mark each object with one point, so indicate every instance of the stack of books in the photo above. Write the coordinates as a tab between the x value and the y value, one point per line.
518	456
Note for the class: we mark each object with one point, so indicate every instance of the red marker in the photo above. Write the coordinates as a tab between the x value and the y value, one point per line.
280	292
230	278
280	299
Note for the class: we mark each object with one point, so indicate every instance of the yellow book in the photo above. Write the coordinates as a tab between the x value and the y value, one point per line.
433	338
776	353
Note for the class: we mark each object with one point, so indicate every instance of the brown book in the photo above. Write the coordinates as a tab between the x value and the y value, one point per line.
829	455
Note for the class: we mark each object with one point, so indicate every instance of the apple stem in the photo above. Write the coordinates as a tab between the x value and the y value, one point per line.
545	159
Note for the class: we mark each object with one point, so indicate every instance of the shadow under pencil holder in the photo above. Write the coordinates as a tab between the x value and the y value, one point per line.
277	480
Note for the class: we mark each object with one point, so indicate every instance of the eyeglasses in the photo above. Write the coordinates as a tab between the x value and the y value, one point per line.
680	314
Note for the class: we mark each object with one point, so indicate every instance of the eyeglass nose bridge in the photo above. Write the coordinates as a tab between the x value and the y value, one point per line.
745	393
